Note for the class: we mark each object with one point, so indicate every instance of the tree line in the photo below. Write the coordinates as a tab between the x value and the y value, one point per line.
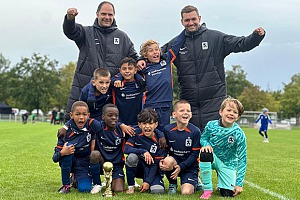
39	83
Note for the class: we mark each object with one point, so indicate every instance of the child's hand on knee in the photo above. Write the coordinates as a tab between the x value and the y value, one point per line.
148	158
176	172
67	149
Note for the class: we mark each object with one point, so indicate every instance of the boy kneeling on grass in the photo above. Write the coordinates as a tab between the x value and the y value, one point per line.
73	150
144	155
224	150
183	145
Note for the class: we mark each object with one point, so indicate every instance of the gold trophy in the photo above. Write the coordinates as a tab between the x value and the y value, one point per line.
107	169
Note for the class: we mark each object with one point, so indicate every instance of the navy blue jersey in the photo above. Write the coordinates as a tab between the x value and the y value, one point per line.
184	145
158	77
95	103
80	138
110	143
128	99
140	144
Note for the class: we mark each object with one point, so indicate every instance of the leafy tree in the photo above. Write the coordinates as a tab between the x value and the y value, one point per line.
66	74
254	99
236	81
4	78
35	82
290	101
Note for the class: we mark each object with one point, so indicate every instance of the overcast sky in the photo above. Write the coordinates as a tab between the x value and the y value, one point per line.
36	26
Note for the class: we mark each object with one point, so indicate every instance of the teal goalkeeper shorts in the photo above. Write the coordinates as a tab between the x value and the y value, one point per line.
226	176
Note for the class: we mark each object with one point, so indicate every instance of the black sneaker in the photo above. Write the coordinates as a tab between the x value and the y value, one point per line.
64	189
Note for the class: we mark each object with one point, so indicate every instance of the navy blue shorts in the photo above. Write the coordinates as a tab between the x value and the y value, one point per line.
163	117
117	172
187	176
143	169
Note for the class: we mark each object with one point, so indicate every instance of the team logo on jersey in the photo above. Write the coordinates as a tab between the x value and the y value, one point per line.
118	141
163	63
204	45
88	137
153	148
188	142
116	40
230	139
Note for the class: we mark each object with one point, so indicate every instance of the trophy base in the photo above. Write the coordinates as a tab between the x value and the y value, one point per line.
107	195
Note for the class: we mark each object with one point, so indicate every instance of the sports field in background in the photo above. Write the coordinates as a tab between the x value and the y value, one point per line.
28	172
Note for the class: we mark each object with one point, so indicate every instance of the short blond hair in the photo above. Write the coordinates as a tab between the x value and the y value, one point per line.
181	101
101	72
238	104
145	45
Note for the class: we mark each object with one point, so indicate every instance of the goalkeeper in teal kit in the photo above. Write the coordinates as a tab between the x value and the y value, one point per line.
223	148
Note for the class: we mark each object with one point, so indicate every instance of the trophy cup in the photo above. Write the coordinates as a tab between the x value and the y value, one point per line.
107	169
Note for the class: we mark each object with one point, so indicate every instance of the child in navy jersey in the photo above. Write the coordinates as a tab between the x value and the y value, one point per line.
144	155
128	93
97	92
183	145
109	148
73	151
158	76
264	119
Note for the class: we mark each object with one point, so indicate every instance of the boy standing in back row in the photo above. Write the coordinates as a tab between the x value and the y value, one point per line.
128	97
158	76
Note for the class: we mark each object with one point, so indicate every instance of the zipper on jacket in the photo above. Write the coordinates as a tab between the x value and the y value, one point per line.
197	82
82	64
104	51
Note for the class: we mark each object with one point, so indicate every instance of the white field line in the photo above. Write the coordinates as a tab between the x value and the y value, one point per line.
274	194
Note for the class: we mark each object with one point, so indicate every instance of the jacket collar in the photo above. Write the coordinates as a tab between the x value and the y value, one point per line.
196	33
110	29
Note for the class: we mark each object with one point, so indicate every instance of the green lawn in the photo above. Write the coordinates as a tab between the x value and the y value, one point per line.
28	172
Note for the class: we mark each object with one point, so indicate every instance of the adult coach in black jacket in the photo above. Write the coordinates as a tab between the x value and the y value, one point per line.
100	45
200	64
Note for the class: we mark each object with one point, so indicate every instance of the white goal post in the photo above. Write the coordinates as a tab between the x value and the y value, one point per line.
249	117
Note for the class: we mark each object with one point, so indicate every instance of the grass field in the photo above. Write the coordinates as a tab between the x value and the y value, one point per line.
28	172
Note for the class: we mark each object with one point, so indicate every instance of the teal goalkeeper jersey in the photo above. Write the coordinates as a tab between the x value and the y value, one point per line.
229	145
